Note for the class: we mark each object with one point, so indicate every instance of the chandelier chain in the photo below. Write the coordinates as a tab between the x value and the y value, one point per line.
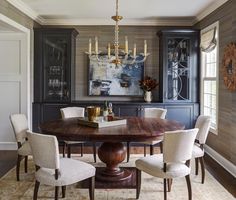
121	56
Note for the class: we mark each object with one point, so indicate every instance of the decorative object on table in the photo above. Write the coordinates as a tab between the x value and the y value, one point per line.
110	115
229	66
105	110
119	55
147	85
93	112
101	123
105	80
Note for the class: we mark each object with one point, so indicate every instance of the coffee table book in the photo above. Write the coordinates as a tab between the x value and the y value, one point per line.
101	123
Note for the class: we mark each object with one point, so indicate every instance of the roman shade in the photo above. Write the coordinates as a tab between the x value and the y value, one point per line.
208	40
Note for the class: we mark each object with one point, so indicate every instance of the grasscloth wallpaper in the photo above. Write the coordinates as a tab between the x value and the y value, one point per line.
106	34
225	142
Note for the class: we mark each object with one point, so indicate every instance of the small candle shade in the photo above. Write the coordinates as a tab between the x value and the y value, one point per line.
145	47
126	45
96	45
134	52
90	46
109	50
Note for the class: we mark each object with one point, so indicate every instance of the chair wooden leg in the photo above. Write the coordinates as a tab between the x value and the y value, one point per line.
92	187
202	169
94	152
151	149
64	150
128	151
161	147
145	150
56	192
26	164
138	183
196	166
18	168
169	184
68	151
165	191
63	191
36	189
189	187
81	149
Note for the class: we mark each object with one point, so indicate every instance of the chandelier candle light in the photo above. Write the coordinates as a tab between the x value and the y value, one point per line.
118	56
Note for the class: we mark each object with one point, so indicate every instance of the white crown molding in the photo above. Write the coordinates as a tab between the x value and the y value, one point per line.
20	5
8	146
230	167
208	10
170	21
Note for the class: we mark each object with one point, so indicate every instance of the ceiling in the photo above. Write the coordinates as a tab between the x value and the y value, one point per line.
98	12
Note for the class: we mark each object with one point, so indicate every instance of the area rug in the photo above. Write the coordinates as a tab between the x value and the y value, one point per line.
152	188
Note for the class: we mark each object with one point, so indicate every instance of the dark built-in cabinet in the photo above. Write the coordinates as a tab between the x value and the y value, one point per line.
54	60
179	65
54	82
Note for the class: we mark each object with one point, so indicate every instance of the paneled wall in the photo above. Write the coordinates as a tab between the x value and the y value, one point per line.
225	142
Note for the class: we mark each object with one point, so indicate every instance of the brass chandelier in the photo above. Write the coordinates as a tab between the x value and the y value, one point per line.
115	54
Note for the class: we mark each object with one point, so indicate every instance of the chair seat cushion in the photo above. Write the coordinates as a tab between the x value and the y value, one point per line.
25	149
197	151
153	165
71	171
151	142
73	142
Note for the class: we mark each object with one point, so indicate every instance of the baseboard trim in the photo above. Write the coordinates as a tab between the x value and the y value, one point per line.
227	165
8	146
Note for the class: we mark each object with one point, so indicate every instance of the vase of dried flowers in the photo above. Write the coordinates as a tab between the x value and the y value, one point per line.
147	85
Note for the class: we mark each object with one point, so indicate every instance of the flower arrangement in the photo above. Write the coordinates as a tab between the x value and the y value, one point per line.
148	84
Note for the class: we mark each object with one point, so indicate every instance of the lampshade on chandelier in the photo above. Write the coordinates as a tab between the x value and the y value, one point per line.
115	54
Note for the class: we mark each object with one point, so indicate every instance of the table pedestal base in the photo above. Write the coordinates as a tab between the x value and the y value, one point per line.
99	184
112	154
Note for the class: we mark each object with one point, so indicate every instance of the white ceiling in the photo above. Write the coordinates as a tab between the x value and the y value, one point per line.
98	12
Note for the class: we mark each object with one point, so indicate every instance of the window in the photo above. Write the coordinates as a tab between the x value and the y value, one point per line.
209	74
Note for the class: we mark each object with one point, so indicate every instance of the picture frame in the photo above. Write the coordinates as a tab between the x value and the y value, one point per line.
107	79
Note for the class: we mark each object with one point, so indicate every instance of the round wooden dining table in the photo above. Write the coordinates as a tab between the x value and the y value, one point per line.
112	151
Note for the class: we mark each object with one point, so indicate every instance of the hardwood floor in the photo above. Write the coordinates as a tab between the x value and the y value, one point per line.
8	160
221	175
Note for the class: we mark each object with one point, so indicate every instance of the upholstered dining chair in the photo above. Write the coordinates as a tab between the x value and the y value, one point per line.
20	126
203	124
55	171
173	163
70	112
151	113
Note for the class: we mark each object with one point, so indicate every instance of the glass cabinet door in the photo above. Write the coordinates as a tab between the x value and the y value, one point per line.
56	70
178	69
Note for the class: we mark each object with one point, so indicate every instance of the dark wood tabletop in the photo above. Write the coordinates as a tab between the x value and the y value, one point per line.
136	129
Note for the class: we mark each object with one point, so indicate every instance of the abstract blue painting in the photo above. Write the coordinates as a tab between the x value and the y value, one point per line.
107	79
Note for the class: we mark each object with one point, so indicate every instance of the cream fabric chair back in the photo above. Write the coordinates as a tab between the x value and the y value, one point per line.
20	126
45	150
203	123
70	112
155	113
178	145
